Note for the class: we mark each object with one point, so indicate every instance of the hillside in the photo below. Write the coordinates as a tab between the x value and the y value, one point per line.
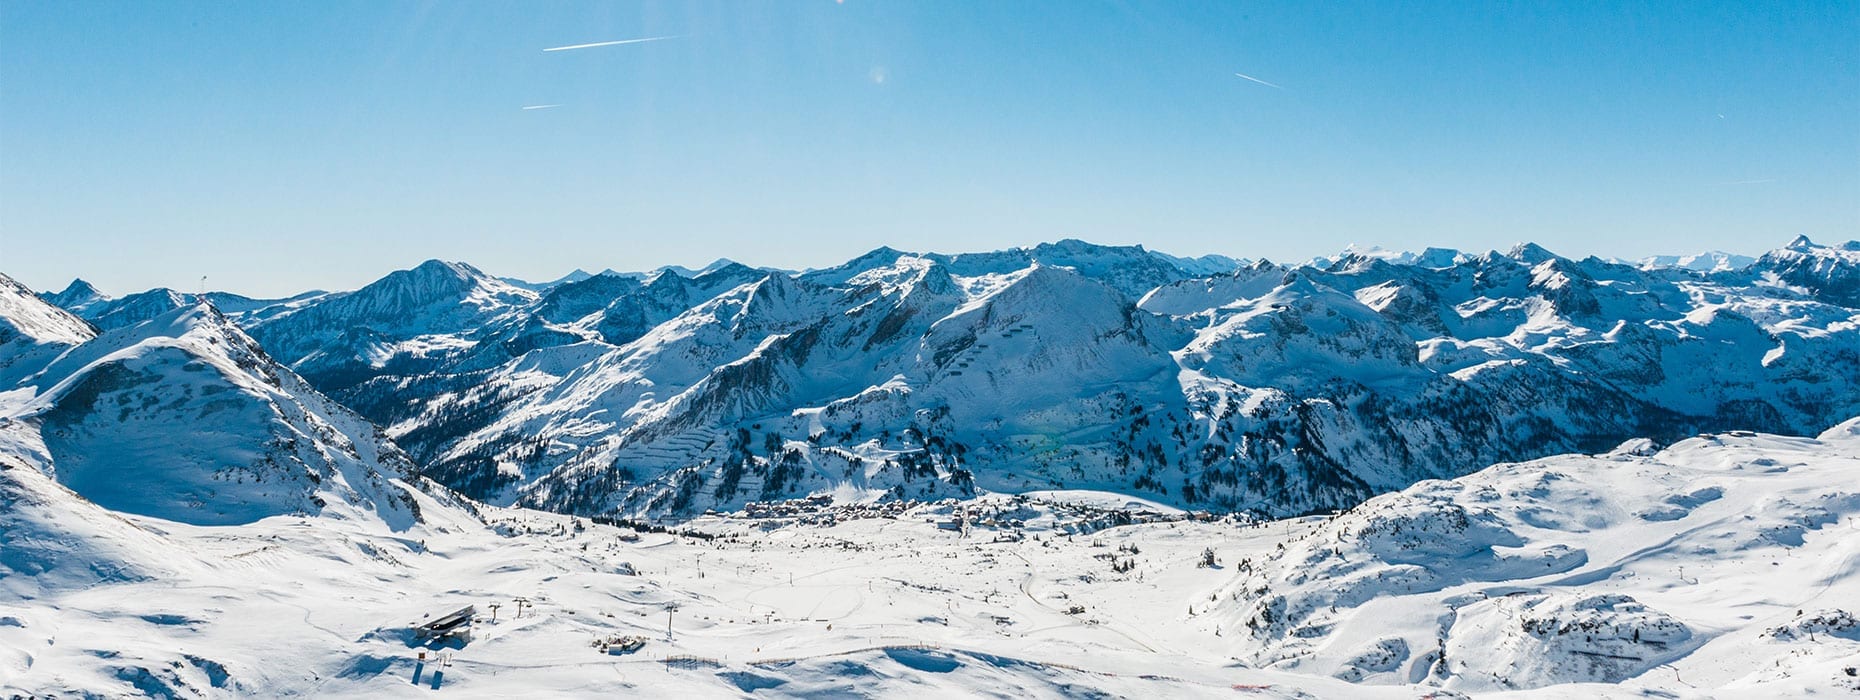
184	417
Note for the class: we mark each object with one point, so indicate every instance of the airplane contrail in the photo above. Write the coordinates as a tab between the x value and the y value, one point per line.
614	43
1257	80
529	107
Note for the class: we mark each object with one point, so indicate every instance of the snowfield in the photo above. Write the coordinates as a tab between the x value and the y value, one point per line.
1723	566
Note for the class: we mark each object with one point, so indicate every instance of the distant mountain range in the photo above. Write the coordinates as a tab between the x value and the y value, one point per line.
1210	383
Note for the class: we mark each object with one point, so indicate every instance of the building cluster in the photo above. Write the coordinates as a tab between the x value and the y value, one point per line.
1002	515
820	510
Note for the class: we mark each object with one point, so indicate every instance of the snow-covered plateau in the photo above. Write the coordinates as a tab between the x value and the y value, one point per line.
1061	471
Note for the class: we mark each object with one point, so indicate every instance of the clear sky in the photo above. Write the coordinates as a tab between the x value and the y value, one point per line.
280	146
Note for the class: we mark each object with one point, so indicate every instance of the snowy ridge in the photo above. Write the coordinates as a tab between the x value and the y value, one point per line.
1708	262
410	320
184	417
79	298
1284	390
1281	389
1829	273
26	320
32	334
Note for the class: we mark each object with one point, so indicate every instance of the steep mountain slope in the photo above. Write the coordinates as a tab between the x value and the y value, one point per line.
184	417
79	298
1830	273
33	333
111	603
408	322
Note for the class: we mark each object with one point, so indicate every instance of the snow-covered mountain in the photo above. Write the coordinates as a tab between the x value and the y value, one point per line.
184	417
1281	389
33	332
1429	257
1709	261
1829	273
409	322
84	301
79	298
178	511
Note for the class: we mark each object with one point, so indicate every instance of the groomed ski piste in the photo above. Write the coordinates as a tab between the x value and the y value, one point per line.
1721	566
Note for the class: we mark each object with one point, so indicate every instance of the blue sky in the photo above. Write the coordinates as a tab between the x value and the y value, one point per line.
280	146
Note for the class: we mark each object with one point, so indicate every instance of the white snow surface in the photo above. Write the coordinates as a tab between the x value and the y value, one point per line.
1724	566
1708	261
183	417
180	516
1661	569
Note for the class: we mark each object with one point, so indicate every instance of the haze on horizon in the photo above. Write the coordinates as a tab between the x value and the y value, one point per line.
278	148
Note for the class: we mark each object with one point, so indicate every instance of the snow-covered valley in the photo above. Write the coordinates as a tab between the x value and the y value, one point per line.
1724	566
1066	471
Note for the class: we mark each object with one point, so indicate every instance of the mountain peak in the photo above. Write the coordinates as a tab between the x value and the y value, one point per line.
26	314
1438	257
880	253
438	278
715	265
79	289
79	298
442	267
876	259
1075	245
1801	244
725	268
1529	253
